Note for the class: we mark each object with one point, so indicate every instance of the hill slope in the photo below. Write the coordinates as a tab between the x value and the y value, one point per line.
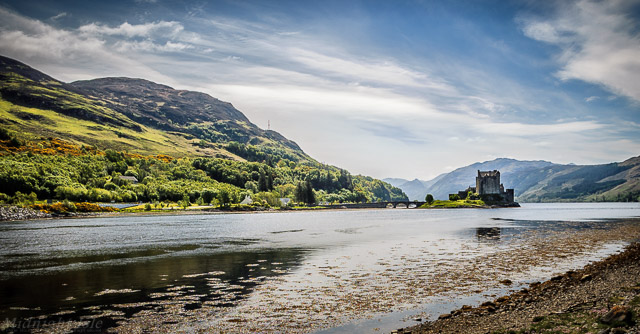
133	114
609	182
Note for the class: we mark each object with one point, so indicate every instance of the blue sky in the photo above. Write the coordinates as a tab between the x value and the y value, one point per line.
384	88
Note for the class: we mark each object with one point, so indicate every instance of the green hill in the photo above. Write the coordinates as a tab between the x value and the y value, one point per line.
115	126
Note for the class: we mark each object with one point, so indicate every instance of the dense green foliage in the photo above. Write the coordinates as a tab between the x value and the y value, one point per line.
98	177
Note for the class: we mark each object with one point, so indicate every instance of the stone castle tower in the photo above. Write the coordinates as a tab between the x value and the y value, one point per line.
489	188
488	183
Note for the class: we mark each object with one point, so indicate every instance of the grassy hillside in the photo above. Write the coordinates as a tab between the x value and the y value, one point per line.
131	114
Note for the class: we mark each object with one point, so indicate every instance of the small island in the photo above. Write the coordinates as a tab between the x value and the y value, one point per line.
488	193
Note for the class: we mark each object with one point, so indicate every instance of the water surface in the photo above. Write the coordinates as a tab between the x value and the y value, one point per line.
233	271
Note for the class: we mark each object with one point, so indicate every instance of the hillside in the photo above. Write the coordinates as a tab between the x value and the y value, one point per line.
144	121
134	115
609	182
542	181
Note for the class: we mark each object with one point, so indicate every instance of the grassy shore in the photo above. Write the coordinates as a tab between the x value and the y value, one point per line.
468	203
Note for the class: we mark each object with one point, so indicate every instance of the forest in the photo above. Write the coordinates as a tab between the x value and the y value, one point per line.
51	168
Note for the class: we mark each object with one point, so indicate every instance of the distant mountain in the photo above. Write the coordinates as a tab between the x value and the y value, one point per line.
415	189
464	177
608	182
396	182
543	181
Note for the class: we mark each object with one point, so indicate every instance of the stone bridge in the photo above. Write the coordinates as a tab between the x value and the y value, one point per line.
376	205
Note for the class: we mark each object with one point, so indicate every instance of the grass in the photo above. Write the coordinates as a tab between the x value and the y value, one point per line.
455	204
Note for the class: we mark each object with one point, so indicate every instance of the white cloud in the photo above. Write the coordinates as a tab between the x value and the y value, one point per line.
343	108
600	43
83	53
542	31
167	29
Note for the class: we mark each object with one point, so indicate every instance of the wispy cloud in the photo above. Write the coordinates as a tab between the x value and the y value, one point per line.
58	16
599	43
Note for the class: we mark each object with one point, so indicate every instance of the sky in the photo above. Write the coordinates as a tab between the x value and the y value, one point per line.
408	89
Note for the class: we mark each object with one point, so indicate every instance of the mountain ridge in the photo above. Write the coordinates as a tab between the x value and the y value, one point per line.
158	115
544	181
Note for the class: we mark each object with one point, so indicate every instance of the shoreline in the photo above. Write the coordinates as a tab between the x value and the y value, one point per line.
602	297
25	213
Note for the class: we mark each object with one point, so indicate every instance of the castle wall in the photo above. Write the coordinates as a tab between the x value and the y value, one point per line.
509	196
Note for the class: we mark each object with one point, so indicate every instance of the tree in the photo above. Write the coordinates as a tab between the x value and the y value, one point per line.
208	195
301	192
454	197
304	193
429	199
311	196
224	197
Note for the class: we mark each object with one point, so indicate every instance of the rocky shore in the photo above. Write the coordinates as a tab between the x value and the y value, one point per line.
18	213
602	298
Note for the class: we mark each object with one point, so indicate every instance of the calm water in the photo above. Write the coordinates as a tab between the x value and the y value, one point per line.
80	268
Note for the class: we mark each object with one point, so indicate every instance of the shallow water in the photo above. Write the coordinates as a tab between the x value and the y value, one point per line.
330	269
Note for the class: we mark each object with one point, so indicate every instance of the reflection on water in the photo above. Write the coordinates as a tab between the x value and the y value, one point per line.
219	279
488	233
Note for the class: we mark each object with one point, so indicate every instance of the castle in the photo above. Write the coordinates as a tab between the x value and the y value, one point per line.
488	187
